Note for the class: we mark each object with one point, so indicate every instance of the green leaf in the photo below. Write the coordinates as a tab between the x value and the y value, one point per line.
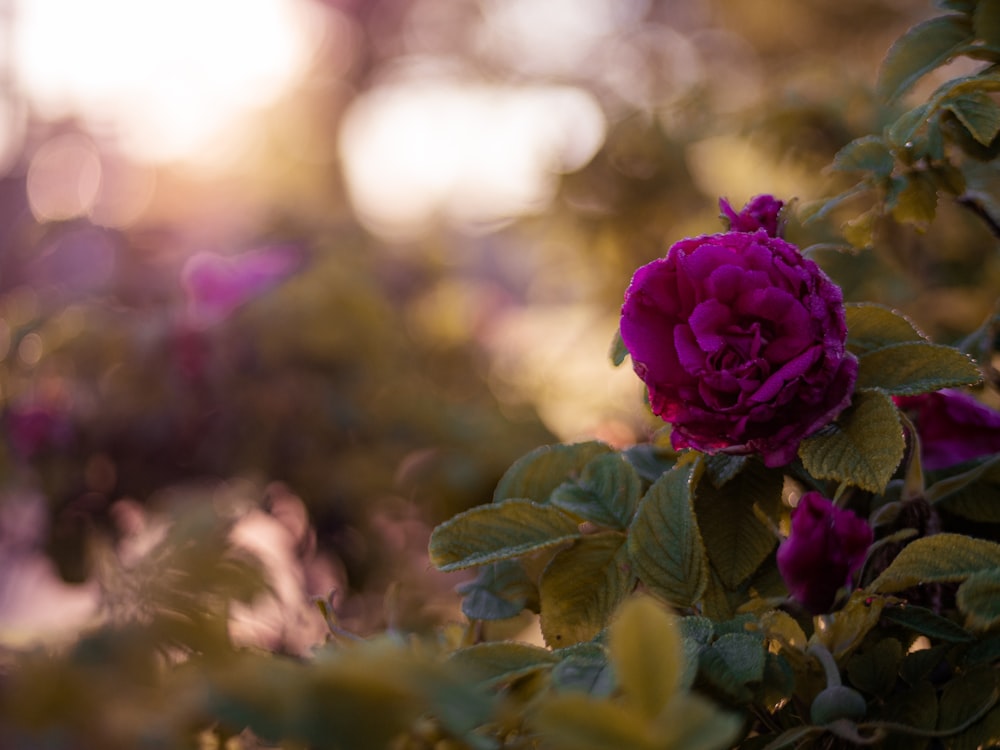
860	231
916	707
722	467
973	494
664	542
979	599
918	665
606	493
864	448
962	698
902	132
852	623
866	154
986	21
875	670
920	50
502	661
914	199
500	591
907	369
489	533
651	460
979	114
584	668
535	475
733	663
940	558
618	351
926	622
736	540
582	586
645	648
871	326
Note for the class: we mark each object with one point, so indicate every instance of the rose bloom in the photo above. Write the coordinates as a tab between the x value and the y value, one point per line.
953	427
740	341
825	548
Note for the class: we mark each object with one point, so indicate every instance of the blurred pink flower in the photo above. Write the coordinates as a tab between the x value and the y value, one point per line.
217	284
826	546
953	427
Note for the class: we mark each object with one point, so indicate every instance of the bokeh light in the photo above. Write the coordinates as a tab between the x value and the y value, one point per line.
472	153
165	76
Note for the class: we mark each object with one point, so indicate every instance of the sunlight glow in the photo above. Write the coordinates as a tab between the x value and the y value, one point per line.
466	153
163	75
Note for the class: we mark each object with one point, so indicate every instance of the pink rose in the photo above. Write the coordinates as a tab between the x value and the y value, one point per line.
740	341
825	548
953	427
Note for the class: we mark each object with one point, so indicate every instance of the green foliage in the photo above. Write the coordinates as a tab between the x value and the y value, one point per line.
863	448
664	541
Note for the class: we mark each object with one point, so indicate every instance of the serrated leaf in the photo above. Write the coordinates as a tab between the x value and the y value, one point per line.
500	591
926	622
973	494
581	587
940	558
872	326
502	661
489	533
979	115
875	670
534	476
606	493
866	154
736	540
618	351
920	50
864	448
645	648
979	599
664	542
908	369
698	629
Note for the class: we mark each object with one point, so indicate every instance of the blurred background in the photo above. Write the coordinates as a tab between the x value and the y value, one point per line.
330	266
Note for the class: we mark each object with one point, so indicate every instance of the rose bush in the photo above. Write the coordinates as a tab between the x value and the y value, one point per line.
740	340
826	546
